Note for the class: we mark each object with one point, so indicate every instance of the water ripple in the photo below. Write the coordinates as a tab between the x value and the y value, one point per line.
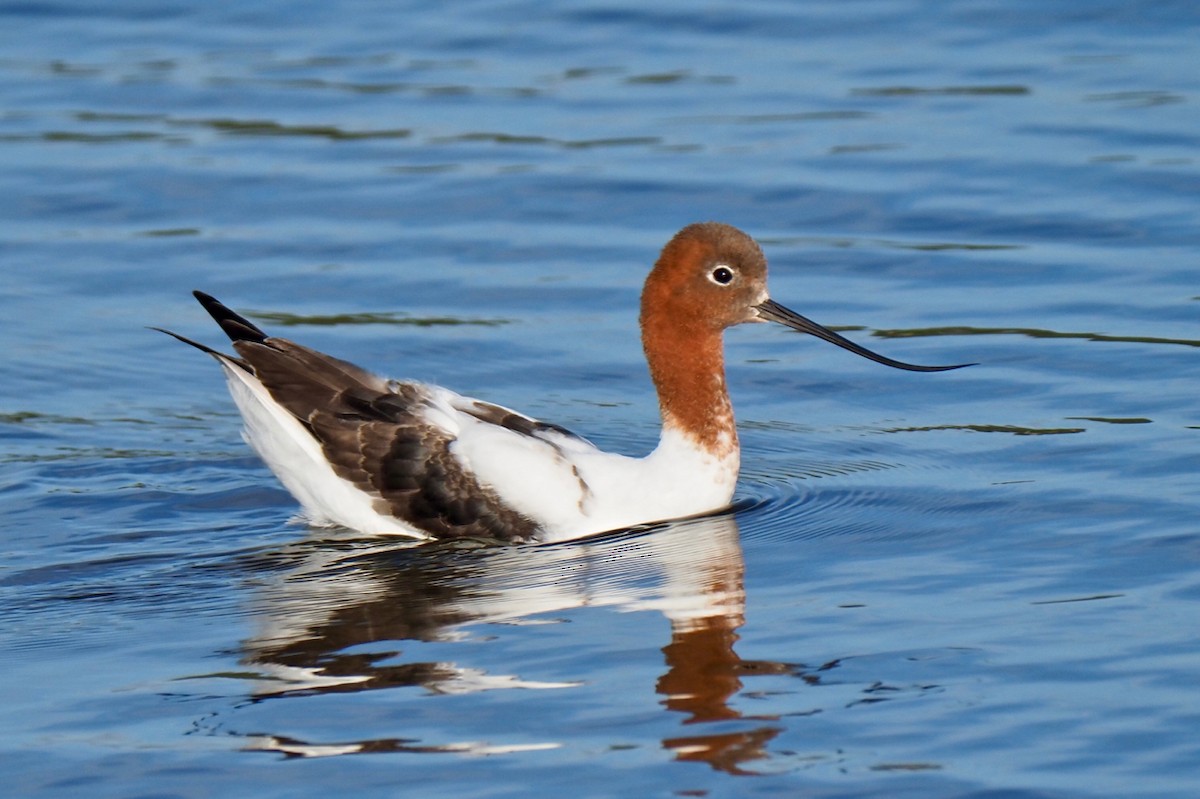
963	330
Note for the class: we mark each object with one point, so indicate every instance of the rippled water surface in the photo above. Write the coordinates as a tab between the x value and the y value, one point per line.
977	583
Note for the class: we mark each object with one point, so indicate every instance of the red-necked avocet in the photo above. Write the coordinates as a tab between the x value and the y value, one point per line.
409	458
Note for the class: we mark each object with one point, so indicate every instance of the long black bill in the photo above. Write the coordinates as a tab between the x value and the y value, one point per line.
774	312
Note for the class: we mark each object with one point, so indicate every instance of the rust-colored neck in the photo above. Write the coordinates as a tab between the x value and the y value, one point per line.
688	368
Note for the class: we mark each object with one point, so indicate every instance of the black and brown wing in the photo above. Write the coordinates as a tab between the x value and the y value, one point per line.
374	433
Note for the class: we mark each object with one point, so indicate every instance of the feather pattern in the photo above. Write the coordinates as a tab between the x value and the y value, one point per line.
379	436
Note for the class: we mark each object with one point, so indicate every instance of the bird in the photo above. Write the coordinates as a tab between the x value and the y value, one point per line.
404	457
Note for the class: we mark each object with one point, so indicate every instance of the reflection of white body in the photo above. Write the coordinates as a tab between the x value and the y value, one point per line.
320	619
690	572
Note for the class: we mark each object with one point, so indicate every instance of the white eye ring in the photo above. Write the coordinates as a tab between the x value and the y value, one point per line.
721	274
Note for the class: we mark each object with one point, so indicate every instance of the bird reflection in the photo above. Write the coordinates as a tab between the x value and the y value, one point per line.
331	618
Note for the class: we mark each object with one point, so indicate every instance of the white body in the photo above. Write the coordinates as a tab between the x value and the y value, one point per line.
564	484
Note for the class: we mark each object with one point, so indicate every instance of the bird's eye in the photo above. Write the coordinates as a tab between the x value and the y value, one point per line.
722	275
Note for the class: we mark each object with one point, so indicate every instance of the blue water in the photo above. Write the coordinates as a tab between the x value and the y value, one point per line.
983	583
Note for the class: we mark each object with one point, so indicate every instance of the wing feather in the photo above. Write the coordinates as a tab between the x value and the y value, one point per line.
376	434
398	441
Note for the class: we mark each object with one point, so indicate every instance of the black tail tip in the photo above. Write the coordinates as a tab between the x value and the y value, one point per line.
236	327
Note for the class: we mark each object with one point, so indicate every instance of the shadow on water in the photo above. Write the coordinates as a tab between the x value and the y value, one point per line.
324	609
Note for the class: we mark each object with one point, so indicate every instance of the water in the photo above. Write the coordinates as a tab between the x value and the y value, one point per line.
981	583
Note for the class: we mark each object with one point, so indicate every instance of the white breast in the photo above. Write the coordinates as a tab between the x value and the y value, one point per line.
575	489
